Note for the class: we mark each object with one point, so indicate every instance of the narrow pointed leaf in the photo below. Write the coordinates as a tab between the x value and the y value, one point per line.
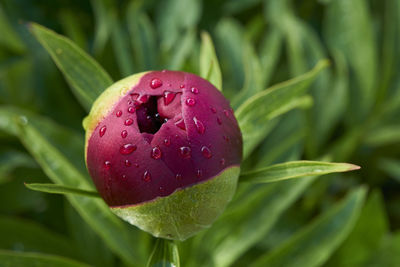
313	244
60	189
270	103
165	254
86	77
295	169
12	258
209	65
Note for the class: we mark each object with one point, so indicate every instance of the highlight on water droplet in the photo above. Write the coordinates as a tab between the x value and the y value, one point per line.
118	113
194	90
127	149
102	130
123	176
199	125
128	122
147	176
185	152
168	97
182	86
155	83
124	133
156	153
107	165
128	163
167	141
131	110
190	102
206	152
199	173
178	176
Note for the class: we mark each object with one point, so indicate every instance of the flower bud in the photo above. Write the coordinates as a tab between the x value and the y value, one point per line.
163	149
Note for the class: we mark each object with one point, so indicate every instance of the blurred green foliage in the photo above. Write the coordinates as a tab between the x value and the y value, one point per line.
351	112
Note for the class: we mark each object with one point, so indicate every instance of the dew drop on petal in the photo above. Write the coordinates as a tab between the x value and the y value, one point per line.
107	165
178	176
226	138
128	163
185	151
161	189
168	97
190	102
182	86
222	162
199	173
124	133
167	141
226	112
127	149
219	121
123	176
128	122
131	110
181	124
199	125
102	130
194	90
147	176
118	113
155	83
136	165
213	110
142	99
156	153
206	152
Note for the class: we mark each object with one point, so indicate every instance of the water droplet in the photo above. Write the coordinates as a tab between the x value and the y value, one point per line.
164	71
181	124
185	151
23	120
222	162
131	110
102	130
142	99
155	83
127	149
167	141
199	173
178	176
226	138
194	90
124	133
156	153
119	113
169	84
206	152
147	176
190	102
226	112
128	122
128	163
213	110
199	125
161	189
123	176
136	165
219	121
107	165
168	97
182	86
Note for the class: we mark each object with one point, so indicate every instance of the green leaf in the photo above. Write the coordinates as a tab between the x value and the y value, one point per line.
27	235
103	23
209	65
348	27
391	167
270	103
41	138
165	254
270	52
248	219
384	135
9	160
313	244
60	189
387	255
182	50
368	233
12	259
294	169
86	77
9	37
